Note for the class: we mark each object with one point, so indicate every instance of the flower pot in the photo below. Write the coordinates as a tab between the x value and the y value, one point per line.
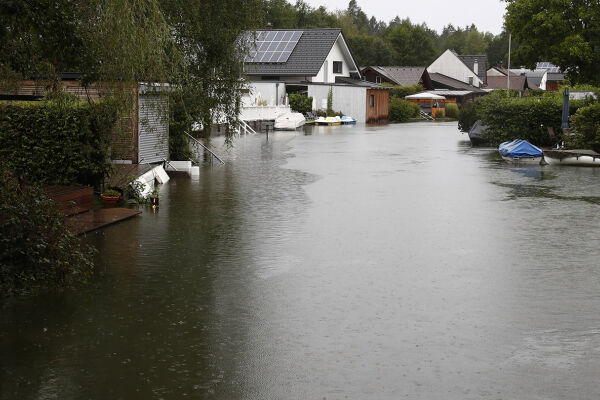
109	201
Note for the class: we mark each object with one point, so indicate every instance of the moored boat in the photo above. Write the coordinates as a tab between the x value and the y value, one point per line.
346	120
520	151
289	121
581	158
328	121
475	134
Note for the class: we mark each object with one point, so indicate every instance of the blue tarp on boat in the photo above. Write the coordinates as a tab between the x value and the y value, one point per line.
519	149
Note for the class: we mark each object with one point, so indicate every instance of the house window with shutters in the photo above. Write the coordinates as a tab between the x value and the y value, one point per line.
337	67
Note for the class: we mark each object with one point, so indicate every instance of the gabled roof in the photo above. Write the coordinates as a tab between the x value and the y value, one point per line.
308	55
400	75
469	61
499	82
441	81
502	70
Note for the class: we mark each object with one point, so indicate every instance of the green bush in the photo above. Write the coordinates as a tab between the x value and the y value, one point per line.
300	103
401	110
58	142
36	251
403	91
586	124
467	117
439	114
451	110
509	118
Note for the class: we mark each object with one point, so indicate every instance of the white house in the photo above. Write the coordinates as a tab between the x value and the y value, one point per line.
470	69
310	61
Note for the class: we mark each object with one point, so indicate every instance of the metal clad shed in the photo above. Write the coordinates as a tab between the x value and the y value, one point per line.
153	125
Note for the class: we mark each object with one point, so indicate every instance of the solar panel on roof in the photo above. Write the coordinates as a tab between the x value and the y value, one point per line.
273	46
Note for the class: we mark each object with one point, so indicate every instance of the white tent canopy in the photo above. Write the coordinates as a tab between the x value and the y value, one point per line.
425	95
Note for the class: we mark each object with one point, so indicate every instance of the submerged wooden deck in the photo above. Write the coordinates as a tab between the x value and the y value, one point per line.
76	205
96	219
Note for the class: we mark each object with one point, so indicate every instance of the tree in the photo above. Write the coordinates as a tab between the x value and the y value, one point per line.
371	50
413	44
565	32
208	33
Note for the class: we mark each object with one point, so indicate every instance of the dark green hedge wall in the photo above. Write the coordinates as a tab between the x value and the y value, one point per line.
57	142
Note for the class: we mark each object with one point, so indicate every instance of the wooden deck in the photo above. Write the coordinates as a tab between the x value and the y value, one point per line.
96	219
76	203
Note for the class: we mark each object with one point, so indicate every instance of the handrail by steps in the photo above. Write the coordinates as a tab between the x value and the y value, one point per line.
247	128
198	143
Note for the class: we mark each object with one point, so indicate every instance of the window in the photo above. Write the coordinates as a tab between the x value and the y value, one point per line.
372	100
377	79
471	80
337	67
476	68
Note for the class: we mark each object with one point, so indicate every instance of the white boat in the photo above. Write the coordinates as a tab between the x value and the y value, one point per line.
289	121
581	158
347	120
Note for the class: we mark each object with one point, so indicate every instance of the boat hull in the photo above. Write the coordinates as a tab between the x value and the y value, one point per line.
524	160
572	158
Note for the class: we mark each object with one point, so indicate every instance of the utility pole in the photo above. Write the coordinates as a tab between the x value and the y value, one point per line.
508	68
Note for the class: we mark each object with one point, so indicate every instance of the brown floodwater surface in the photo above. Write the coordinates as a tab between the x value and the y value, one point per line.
360	262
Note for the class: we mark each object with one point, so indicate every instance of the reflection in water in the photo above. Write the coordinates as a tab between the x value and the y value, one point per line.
338	262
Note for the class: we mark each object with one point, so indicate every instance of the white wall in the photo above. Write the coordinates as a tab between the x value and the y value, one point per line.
351	100
338	53
265	90
450	65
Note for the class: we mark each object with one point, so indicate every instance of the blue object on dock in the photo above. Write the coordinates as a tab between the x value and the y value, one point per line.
519	148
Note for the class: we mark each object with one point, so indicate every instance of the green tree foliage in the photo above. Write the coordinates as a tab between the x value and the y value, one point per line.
510	118
565	32
452	110
413	44
42	38
300	103
36	251
586	125
208	80
401	110
57	142
401	92
371	50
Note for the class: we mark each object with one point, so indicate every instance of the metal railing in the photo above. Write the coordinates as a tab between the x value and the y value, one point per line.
425	115
243	126
197	144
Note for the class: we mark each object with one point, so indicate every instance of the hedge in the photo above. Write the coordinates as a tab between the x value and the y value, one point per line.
300	103
452	110
57	142
401	110
509	118
586	124
36	251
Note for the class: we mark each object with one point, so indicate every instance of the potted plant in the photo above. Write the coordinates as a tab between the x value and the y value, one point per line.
110	197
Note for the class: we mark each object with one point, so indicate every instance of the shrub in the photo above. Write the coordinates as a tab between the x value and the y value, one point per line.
467	117
439	114
330	103
586	124
451	110
401	110
62	142
300	103
36	251
403	91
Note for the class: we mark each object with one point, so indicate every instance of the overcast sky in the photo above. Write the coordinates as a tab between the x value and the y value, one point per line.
487	15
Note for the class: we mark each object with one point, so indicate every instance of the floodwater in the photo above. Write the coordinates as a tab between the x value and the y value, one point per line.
340	263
